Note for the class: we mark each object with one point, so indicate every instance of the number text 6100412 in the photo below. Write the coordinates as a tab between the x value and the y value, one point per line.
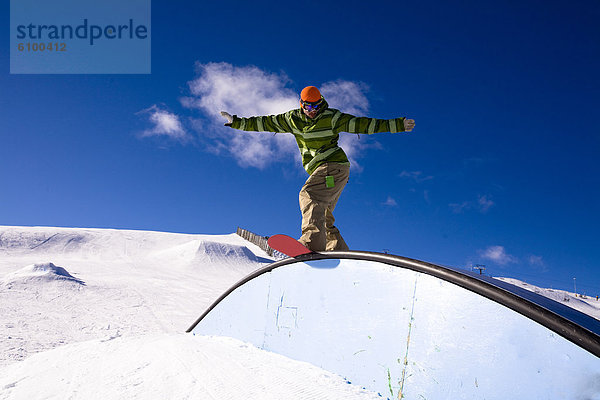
50	46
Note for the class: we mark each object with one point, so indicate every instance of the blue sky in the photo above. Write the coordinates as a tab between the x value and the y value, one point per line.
502	167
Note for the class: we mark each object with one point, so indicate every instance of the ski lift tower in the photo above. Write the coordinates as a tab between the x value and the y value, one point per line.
480	268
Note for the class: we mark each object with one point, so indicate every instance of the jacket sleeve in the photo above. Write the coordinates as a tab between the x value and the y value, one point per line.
267	123
351	124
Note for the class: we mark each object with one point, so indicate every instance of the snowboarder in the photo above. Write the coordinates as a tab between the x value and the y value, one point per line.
316	128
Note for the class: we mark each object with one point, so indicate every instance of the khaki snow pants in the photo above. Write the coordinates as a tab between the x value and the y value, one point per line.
317	202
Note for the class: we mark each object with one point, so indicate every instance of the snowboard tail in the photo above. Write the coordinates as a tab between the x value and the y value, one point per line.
288	245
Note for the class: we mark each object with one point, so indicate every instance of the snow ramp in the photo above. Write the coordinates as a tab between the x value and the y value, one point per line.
410	329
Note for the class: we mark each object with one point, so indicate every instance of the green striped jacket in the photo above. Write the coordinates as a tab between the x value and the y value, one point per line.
318	138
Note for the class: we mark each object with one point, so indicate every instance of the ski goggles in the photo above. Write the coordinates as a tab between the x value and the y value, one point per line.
308	106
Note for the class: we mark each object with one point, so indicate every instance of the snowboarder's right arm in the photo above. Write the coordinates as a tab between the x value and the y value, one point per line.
267	123
227	116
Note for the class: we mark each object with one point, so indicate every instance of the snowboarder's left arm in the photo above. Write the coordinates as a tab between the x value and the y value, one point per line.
351	124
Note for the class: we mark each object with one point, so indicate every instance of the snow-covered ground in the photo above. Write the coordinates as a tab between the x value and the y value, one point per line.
91	313
60	286
100	314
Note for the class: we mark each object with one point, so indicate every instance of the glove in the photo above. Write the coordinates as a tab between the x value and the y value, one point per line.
228	116
409	124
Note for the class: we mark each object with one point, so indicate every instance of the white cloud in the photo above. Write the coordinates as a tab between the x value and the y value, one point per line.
426	196
498	255
482	205
416	176
244	91
459	208
349	97
250	91
164	123
390	202
538	263
536	260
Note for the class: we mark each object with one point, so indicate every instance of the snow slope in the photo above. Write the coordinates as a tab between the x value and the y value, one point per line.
61	286
98	313
587	305
93	313
169	366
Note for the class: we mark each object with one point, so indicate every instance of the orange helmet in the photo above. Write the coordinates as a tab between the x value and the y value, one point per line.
310	94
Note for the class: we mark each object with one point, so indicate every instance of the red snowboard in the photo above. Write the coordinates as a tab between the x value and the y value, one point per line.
287	245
